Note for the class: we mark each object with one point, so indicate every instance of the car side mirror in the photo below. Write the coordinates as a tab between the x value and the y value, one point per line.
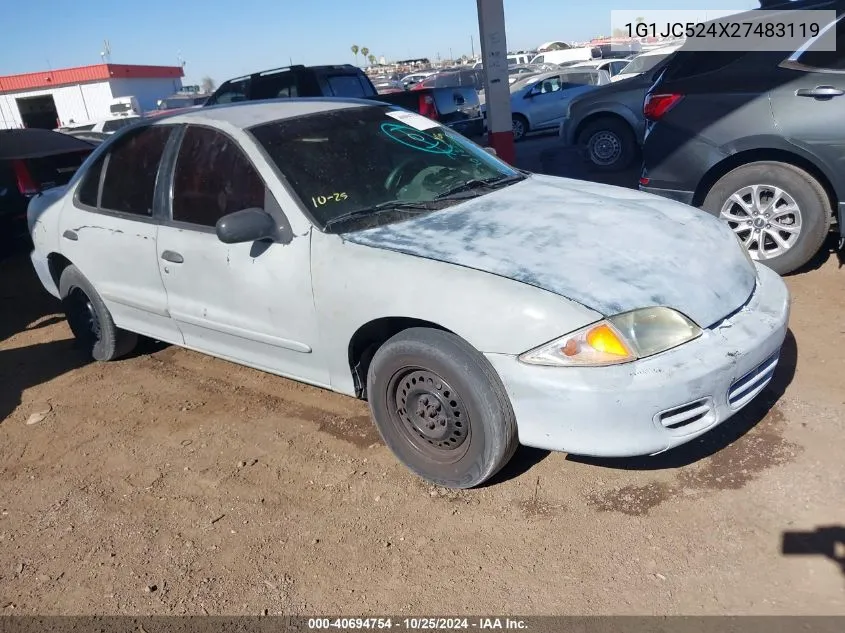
248	225
491	150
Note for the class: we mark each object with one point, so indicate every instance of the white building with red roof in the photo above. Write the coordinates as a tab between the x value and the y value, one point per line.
54	98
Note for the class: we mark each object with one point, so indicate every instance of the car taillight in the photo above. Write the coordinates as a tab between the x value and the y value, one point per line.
427	107
656	106
26	185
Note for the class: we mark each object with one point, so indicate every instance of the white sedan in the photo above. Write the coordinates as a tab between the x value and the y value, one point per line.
368	250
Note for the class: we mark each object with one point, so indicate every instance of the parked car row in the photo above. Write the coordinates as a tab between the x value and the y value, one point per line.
752	137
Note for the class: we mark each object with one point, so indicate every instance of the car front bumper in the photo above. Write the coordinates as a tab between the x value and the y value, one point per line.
655	404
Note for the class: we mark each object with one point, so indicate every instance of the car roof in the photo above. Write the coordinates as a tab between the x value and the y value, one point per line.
245	114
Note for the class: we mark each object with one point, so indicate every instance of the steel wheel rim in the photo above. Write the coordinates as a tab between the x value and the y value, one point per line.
83	316
429	414
518	129
605	148
766	219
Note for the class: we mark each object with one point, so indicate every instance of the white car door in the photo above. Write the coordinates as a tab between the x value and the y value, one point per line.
108	231
249	302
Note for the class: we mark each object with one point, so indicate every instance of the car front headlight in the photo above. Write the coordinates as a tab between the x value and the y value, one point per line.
621	338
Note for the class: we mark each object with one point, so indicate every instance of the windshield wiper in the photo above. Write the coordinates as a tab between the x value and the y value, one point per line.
384	207
485	183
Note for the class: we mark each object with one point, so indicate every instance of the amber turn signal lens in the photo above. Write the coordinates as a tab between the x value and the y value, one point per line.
604	339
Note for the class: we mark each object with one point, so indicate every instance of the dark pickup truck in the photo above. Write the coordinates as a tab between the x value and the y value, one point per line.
457	107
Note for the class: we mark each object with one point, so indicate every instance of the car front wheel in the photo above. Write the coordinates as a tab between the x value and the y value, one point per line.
780	213
440	407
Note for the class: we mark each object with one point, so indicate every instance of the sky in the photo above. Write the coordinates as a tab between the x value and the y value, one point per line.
222	39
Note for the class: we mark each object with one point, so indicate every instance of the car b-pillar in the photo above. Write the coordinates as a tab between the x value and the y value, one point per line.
494	56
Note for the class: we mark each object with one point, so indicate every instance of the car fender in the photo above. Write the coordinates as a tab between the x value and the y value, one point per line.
355	284
771	143
612	108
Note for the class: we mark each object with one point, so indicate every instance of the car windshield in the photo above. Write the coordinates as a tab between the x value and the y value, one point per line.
643	63
362	161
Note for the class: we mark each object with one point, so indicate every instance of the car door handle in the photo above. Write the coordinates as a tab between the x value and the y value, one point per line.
170	256
820	92
70	235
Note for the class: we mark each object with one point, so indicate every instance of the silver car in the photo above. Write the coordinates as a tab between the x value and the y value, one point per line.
540	101
374	252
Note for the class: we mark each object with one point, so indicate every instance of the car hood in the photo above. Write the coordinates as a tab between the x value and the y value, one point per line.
608	248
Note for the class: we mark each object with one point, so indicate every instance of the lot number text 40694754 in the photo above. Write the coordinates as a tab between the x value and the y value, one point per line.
416	624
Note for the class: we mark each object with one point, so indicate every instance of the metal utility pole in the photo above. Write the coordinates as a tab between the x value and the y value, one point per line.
472	45
494	55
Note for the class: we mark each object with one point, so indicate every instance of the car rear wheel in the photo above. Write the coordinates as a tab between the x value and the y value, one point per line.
90	320
609	144
440	407
520	127
780	213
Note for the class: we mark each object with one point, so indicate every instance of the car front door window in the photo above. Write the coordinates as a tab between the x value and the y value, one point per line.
212	178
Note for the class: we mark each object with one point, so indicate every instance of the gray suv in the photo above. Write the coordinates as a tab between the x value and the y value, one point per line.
607	124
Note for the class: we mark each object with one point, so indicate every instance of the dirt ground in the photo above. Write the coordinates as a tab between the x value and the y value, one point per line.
175	483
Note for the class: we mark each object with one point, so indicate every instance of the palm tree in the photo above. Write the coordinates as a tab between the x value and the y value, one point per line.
640	20
372	59
365	51
355	50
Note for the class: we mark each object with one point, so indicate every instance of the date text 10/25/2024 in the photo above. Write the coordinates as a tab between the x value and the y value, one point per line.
417	624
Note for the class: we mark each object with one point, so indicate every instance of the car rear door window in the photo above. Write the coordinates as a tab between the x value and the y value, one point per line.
213	178
131	171
274	85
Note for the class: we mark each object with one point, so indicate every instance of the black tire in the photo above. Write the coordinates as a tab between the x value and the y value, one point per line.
519	122
463	429
90	320
806	191
610	138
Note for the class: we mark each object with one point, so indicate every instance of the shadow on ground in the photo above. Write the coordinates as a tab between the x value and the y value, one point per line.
723	435
827	541
25	305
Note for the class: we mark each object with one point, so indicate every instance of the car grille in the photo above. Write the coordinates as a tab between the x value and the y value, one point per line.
745	389
692	413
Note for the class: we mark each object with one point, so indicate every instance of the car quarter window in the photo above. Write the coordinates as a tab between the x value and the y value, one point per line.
131	170
213	178
90	187
347	86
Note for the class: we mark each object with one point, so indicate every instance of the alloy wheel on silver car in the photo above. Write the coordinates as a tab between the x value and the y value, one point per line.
766	219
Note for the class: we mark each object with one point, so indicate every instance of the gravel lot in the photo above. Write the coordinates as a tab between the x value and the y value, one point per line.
173	483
